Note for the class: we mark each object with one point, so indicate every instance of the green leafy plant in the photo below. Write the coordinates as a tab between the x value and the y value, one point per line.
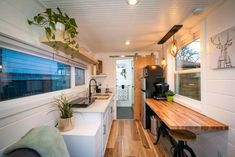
170	93
48	20
65	107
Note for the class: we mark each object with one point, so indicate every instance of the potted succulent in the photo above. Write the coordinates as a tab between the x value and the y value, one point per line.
57	24
66	120
169	95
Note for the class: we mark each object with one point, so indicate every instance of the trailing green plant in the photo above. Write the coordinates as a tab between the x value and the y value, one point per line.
65	107
48	20
170	93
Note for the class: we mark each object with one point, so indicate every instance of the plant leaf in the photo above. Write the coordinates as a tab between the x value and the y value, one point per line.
39	19
48	32
59	11
35	17
53	36
73	22
66	15
30	22
48	11
52	25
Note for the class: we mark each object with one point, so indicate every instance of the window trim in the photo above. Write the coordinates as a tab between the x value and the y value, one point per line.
189	102
17	57
15	44
186	101
32	103
188	71
84	71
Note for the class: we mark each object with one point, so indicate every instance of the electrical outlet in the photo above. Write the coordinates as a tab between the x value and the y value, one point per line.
219	154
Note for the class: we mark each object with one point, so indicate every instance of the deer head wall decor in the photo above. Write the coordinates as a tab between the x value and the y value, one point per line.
224	60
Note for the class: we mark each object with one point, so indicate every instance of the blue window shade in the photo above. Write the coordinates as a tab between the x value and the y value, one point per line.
79	76
24	75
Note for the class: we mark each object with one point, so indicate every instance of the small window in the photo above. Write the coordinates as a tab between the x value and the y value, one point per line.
79	76
25	75
188	72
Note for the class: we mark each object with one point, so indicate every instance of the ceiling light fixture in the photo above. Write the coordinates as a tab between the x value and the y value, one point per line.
198	10
128	42
174	47
132	2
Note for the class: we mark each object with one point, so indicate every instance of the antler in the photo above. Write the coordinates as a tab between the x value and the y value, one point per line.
216	44
229	41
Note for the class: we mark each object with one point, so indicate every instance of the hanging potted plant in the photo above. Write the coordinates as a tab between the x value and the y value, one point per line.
57	25
169	95
66	120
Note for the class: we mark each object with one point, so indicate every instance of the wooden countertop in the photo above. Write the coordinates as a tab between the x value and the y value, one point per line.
179	117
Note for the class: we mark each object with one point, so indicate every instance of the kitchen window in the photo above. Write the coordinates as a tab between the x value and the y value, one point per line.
79	76
188	71
25	75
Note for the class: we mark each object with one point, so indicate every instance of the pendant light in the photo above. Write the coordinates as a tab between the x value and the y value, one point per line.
174	47
163	62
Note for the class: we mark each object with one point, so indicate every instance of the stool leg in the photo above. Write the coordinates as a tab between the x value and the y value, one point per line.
180	146
161	129
190	150
176	151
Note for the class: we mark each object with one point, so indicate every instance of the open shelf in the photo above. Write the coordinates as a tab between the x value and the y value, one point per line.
98	76
78	53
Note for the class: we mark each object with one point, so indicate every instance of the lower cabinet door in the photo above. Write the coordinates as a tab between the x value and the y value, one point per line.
105	136
84	145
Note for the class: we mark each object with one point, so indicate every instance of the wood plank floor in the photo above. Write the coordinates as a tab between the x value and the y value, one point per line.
129	139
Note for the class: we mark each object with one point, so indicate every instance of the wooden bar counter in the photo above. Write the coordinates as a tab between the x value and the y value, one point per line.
179	117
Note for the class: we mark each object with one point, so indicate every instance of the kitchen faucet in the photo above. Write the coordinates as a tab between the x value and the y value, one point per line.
90	87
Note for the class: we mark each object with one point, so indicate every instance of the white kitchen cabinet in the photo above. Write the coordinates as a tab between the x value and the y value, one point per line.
92	128
81	142
107	123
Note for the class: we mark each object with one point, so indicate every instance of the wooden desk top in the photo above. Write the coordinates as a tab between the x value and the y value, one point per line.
179	117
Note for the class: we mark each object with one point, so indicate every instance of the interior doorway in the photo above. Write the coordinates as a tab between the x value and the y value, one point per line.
125	88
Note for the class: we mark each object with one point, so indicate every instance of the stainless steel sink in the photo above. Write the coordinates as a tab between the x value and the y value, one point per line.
82	102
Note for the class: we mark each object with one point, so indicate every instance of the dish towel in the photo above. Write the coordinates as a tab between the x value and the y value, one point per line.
123	93
46	141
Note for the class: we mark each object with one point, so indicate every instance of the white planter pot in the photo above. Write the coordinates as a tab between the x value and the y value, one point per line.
59	26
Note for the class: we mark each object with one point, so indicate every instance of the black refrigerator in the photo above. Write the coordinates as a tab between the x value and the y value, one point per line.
152	74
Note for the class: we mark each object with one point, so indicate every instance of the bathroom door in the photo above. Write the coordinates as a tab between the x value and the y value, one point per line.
124	82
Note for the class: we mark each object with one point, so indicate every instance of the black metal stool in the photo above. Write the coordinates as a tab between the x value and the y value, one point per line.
183	136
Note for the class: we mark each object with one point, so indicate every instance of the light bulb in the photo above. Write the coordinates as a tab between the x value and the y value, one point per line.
174	48
163	62
128	42
132	2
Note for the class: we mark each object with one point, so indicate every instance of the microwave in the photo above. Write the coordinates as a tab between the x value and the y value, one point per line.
152	71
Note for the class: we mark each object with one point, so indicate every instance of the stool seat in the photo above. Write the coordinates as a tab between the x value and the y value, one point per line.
183	135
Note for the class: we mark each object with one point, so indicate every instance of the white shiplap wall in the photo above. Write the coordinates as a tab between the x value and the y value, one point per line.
30	112
18	116
220	85
218	97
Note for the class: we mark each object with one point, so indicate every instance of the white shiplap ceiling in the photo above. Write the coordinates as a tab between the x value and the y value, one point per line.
105	25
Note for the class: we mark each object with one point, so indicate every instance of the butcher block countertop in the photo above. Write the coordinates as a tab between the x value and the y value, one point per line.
179	117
